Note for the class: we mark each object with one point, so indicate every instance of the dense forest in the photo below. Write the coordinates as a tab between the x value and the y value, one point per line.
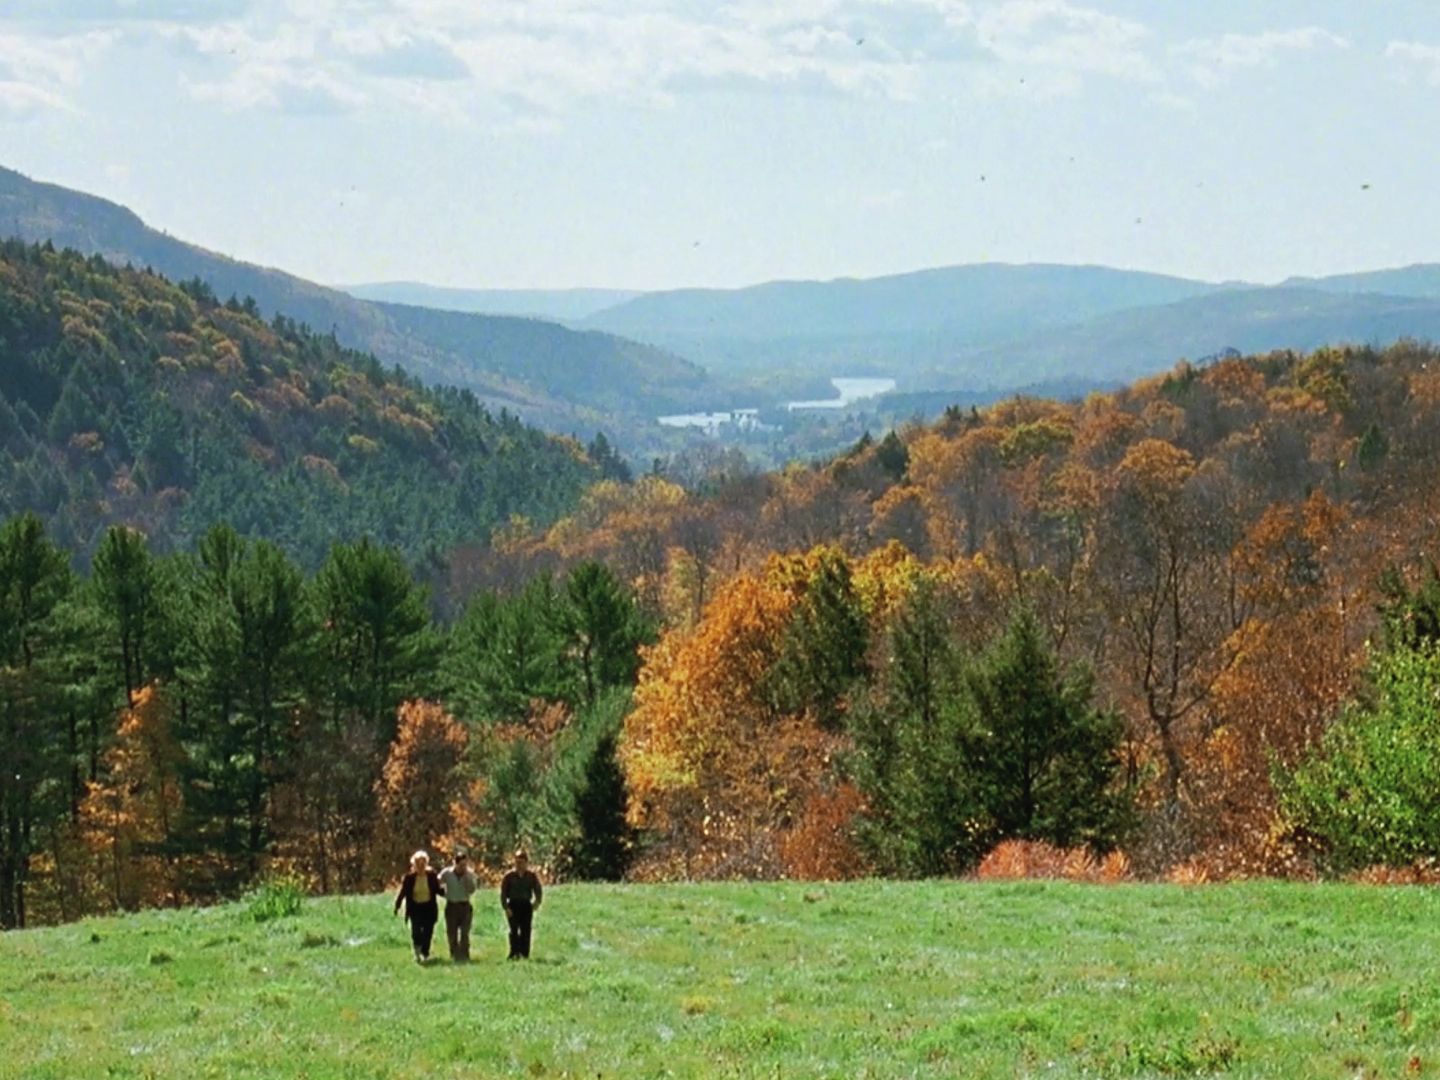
1188	628
125	398
1233	558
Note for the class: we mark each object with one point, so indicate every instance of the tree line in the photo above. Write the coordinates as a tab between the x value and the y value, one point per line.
174	726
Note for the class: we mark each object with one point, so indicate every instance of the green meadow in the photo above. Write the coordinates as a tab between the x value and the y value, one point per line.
879	979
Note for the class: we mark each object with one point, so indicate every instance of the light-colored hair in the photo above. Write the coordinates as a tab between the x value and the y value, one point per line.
421	854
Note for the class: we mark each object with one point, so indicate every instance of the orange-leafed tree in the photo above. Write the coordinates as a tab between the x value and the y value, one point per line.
421	786
130	816
714	764
1274	702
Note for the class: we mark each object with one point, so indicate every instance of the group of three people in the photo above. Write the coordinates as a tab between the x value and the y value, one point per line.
422	887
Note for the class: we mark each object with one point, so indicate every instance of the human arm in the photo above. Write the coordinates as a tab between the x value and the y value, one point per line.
405	885
539	891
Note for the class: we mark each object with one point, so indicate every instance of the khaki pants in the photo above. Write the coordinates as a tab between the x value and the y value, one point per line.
458	917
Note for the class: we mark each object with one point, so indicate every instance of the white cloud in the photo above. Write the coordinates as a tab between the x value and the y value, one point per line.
1055	37
121	11
1417	56
465	57
21	101
38	73
1210	60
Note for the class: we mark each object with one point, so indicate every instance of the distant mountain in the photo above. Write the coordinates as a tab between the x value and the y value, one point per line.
125	398
1125	345
505	361
995	327
885	324
605	373
1421	279
561	304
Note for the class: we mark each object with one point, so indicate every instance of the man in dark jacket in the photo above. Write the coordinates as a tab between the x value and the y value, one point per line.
419	892
520	896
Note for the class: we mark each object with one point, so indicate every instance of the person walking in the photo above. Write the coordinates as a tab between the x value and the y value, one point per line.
459	883
418	892
520	896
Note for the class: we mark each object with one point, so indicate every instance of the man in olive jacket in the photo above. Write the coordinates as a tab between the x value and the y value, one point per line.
458	883
520	896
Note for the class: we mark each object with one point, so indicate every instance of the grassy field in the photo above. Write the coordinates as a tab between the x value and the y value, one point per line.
872	979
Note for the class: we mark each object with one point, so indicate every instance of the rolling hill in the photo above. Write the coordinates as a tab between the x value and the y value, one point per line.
127	399
995	328
886	324
560	304
506	361
1127	345
1421	279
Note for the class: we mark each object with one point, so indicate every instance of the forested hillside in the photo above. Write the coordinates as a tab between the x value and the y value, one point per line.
1191	628
126	398
1221	557
539	368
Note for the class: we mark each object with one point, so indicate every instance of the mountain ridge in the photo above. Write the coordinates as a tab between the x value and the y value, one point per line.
39	212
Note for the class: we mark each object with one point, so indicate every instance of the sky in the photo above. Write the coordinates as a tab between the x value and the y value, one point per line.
654	144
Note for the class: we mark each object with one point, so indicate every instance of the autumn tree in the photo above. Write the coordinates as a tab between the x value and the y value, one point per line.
1171	592
419	786
714	765
130	819
1273	704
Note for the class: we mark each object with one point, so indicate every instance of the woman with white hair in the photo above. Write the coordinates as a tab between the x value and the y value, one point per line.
419	892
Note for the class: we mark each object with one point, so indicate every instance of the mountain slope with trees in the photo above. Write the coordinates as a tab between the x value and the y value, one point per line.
1186	629
522	364
126	398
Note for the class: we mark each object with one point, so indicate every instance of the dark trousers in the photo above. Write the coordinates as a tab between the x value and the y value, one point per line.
521	913
458	917
422	927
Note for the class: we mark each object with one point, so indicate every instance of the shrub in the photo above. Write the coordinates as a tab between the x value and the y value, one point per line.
278	897
1021	859
1367	795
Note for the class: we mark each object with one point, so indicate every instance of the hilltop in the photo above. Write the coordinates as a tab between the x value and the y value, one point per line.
127	398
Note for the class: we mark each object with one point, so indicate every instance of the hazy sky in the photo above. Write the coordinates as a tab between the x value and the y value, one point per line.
657	143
